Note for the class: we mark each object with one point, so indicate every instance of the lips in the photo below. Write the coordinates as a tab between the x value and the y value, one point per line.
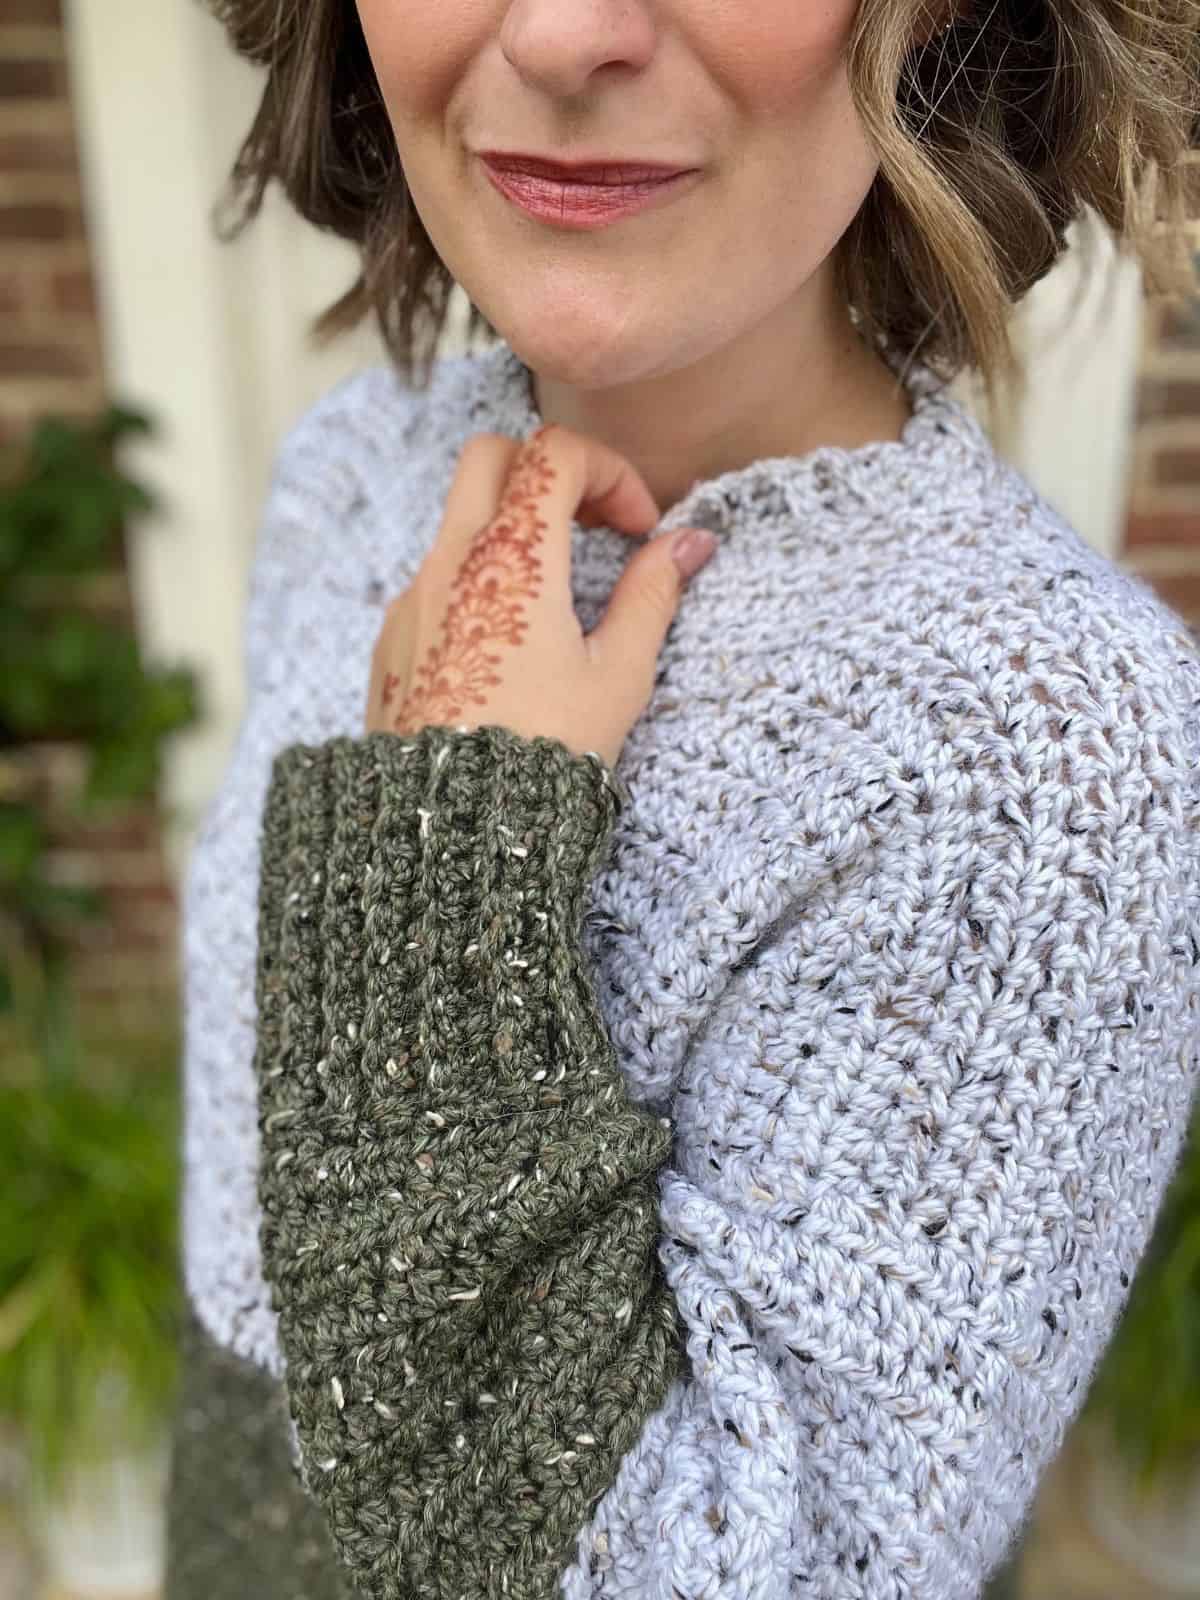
591	194
605	174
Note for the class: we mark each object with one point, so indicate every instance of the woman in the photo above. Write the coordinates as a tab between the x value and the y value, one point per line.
679	1080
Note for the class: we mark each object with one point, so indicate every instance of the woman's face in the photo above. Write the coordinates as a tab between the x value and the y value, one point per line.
752	92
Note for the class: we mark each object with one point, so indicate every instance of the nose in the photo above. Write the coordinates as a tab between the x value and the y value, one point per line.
557	45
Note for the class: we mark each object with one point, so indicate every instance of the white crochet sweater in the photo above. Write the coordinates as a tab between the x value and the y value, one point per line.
900	929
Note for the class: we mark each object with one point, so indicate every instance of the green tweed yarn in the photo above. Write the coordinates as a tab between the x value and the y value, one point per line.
459	1201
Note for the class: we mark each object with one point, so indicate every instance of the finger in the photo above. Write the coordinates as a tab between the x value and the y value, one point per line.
391	661
555	477
484	466
591	483
519	544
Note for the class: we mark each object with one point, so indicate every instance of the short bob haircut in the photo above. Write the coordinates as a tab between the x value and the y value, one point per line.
992	136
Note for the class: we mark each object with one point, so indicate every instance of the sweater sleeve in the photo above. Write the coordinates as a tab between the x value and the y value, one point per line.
920	1152
458	1199
918	1149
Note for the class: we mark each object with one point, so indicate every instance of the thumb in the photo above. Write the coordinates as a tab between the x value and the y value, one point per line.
646	596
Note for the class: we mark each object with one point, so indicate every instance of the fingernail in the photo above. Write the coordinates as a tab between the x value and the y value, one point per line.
691	548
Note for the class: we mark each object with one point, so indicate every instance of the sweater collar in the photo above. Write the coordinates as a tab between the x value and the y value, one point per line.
939	443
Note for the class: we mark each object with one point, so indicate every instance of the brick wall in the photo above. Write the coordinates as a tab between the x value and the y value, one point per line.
51	360
1162	535
50	354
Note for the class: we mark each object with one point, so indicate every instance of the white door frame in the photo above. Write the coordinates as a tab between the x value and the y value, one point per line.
208	337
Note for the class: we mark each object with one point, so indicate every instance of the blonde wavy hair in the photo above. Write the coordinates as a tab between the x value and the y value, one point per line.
993	135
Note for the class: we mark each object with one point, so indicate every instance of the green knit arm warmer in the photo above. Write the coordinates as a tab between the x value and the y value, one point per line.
459	1201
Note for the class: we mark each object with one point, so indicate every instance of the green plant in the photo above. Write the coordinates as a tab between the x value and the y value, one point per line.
89	1292
67	674
1148	1383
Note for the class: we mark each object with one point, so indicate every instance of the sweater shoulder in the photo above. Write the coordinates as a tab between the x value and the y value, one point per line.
369	429
974	637
349	475
1070	609
343	478
1031	614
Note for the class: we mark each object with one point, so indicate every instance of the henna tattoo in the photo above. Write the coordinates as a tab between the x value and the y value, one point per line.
501	571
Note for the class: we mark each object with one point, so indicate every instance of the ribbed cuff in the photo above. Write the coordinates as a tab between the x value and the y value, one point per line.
496	784
459	1200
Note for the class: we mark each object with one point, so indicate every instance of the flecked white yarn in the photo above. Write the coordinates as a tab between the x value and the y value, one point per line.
901	929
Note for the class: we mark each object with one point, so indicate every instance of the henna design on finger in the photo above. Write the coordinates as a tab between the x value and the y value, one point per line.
501	571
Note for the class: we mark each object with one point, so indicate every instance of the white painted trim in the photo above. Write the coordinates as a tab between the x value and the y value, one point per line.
209	338
1071	431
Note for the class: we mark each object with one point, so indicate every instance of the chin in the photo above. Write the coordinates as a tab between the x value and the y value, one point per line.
600	358
570	335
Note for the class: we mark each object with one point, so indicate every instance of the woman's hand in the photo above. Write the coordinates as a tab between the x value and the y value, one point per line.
487	634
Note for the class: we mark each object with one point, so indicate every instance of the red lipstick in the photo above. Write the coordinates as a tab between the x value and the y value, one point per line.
583	194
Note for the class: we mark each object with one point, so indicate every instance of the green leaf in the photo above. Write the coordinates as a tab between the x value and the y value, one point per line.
88	1254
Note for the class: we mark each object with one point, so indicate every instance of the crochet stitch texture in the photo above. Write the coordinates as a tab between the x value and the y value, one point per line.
885	978
460	1200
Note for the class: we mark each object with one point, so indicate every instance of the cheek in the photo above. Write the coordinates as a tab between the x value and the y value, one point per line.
419	50
775	55
793	90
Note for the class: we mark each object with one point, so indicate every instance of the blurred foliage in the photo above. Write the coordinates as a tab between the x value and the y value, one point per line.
1148	1383
89	1292
89	1139
66	674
